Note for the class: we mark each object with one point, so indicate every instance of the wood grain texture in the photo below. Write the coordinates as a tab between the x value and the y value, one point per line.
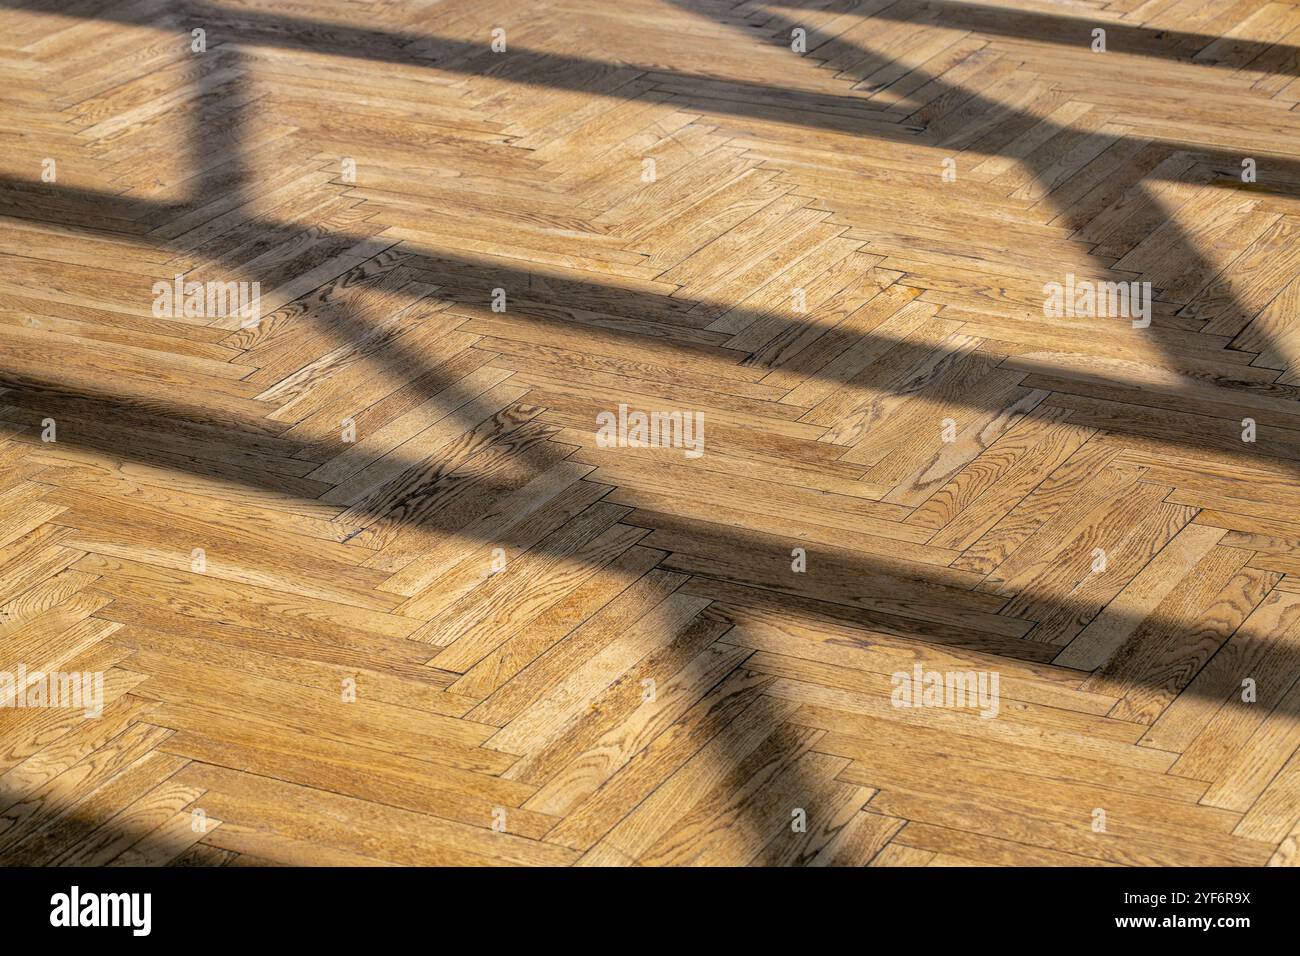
364	585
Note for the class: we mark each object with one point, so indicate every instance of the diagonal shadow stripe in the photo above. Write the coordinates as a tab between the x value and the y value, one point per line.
579	74
1067	29
886	574
1272	405
85	206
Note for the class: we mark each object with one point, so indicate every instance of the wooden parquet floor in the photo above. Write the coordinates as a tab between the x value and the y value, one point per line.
363	583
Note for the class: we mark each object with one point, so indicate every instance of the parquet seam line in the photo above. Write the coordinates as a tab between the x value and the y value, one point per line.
573	146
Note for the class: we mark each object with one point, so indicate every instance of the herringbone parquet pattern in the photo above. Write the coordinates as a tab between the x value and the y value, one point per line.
366	588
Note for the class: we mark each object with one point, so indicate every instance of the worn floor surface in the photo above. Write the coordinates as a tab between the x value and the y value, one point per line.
365	587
